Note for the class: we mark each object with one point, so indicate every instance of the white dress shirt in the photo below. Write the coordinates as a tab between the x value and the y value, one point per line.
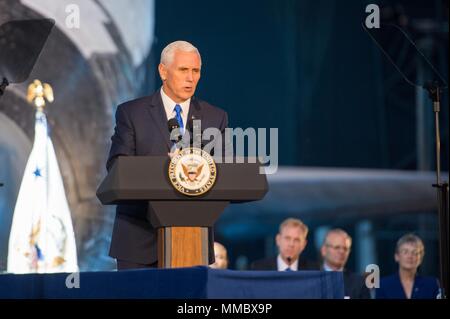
328	268
169	106
282	266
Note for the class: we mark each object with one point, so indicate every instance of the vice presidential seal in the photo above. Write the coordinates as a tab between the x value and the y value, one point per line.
192	171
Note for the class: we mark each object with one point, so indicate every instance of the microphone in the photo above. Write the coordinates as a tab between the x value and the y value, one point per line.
289	260
172	125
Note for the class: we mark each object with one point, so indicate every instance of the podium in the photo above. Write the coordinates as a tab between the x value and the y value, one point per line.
181	221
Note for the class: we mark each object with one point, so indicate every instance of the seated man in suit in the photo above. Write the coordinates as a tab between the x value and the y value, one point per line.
221	256
291	241
142	130
406	283
335	251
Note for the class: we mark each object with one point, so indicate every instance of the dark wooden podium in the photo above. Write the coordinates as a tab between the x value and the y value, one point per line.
181	221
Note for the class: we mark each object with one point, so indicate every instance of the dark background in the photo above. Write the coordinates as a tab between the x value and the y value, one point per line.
309	69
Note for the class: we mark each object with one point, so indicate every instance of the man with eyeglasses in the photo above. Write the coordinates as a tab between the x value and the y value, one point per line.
335	251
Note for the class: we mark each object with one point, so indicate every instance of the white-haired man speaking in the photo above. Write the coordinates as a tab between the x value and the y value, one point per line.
142	130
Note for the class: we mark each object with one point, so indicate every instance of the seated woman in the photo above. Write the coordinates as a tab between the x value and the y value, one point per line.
406	284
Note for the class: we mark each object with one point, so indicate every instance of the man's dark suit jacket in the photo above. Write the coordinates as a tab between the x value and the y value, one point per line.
271	264
142	130
355	286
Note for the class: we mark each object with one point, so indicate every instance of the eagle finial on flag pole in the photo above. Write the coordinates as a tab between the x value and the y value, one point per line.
37	93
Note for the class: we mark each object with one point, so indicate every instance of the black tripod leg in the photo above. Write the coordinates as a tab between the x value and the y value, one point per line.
444	237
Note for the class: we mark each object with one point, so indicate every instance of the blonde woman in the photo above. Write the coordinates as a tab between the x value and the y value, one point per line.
406	283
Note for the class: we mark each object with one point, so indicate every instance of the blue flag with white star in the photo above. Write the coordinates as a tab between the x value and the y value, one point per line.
42	238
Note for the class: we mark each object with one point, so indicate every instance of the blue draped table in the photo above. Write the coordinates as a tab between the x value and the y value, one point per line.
181	283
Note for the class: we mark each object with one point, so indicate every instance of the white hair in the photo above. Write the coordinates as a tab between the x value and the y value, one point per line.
169	51
337	231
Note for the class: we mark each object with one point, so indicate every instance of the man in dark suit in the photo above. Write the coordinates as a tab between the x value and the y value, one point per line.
335	251
291	241
142	130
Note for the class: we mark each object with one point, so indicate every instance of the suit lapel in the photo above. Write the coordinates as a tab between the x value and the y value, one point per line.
159	116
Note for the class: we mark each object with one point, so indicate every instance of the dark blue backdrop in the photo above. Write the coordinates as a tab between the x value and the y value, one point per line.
305	67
